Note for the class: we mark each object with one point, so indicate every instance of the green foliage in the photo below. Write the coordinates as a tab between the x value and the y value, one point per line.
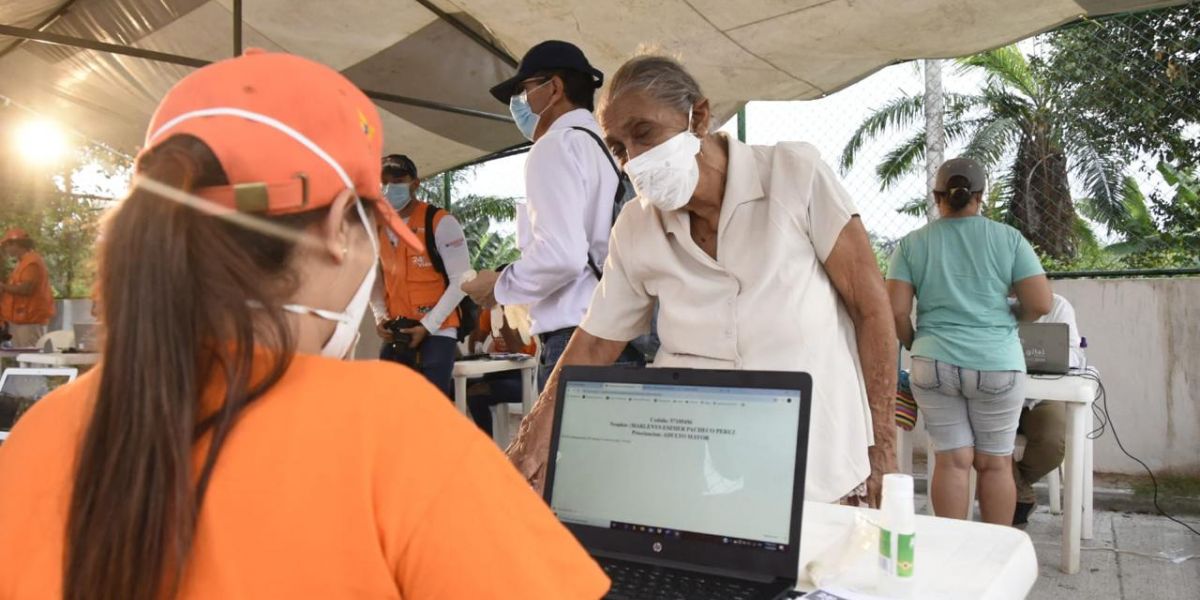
1132	81
478	215
64	230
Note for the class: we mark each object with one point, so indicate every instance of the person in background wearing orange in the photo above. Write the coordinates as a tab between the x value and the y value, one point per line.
223	448
26	300
496	388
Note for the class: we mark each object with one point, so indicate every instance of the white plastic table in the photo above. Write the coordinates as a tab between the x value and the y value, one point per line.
59	359
954	559
1077	393
467	369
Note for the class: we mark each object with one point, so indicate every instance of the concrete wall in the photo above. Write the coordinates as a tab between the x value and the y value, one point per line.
1144	337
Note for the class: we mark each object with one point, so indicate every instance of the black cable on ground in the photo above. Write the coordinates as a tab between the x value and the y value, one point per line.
1108	423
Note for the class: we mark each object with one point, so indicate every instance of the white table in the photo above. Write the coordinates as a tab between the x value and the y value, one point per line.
1077	393
59	359
954	559
467	369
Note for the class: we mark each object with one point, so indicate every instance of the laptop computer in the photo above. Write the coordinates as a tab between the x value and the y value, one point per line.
683	483
20	388
1047	347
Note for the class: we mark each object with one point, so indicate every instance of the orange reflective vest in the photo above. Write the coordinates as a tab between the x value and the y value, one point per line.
411	284
36	309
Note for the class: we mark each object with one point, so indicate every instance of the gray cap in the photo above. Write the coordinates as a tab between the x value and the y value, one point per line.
963	167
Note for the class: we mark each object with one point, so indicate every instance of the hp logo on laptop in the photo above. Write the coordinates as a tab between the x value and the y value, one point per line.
657	546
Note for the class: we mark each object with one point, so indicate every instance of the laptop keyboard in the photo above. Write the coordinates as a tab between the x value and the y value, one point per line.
633	581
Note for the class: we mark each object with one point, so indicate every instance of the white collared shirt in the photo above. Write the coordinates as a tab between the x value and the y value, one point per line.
569	188
765	302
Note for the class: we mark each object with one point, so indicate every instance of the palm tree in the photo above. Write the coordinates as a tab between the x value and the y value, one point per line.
1014	125
488	249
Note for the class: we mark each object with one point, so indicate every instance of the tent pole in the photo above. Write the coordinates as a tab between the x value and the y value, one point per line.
66	40
467	31
187	61
237	28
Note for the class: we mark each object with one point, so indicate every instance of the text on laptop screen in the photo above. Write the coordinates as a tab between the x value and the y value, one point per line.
20	391
687	461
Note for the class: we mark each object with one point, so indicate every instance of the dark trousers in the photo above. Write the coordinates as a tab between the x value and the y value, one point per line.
435	360
500	388
554	344
1045	429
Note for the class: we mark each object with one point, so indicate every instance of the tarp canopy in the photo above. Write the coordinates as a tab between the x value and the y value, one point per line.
450	51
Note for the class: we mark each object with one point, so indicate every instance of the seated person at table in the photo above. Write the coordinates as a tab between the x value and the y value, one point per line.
496	388
224	448
1044	424
967	365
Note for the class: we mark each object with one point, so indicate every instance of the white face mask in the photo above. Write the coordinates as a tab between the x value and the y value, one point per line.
666	175
346	329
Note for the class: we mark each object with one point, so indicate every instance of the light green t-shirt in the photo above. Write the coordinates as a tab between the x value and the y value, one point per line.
962	270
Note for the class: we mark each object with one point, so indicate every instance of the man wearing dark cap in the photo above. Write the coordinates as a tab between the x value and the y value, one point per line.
570	183
416	307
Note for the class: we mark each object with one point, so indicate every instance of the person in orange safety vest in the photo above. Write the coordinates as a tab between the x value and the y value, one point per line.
417	308
26	300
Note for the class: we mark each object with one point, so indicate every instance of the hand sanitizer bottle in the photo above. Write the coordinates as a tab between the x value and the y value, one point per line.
897	537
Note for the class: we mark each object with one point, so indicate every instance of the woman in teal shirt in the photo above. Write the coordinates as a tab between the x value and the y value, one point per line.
967	362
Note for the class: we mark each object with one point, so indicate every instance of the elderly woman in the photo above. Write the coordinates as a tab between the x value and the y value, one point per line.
758	261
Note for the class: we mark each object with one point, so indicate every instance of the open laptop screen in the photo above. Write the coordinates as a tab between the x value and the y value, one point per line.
20	388
693	463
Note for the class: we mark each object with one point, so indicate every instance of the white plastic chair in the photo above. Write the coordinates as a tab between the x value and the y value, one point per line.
59	340
502	413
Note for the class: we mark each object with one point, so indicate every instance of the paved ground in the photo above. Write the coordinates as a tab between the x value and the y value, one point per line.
1133	557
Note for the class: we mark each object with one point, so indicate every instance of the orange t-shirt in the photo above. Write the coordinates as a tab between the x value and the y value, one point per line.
346	480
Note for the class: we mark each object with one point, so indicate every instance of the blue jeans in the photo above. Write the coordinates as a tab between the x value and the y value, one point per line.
435	360
554	344
502	387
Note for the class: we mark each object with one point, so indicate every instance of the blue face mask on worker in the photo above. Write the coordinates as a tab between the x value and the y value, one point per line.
524	116
397	194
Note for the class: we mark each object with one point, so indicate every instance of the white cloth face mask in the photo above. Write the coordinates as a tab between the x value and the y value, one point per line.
346	329
666	175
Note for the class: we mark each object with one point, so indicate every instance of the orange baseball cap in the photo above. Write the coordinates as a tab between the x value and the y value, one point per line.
290	134
14	234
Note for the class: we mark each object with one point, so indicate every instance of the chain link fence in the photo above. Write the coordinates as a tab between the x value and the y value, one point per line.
1090	135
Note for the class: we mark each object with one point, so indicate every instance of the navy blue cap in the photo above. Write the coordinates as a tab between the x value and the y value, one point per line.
399	165
546	56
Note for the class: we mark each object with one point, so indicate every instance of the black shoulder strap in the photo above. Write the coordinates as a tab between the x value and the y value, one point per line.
616	198
431	243
603	148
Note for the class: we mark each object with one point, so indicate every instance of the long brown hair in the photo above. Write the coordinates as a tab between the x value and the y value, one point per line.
175	289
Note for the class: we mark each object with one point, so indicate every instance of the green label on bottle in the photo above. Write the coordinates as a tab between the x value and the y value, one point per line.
905	555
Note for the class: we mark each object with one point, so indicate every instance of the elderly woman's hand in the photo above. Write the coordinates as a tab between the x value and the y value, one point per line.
530	451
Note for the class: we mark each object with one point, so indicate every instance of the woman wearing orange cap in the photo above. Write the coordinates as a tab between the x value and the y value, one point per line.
26	300
222	448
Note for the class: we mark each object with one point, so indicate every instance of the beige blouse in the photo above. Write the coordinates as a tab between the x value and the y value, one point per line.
765	302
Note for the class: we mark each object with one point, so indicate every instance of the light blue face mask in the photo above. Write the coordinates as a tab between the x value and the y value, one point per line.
398	195
524	116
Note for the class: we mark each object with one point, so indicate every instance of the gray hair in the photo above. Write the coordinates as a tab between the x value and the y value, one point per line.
659	77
